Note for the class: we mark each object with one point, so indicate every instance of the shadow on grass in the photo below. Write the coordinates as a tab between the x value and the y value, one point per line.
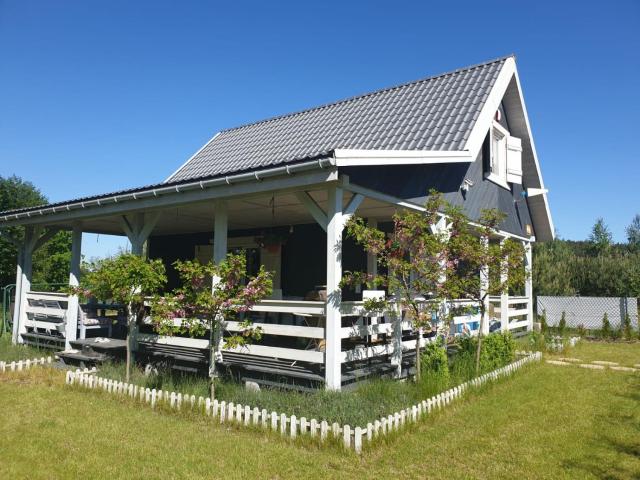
626	451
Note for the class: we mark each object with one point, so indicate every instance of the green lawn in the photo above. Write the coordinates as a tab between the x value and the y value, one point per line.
9	352
625	353
545	422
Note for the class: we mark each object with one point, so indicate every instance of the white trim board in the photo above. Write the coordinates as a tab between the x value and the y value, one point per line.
358	157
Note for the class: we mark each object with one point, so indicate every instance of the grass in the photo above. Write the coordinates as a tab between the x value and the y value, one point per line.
547	422
9	352
366	403
625	353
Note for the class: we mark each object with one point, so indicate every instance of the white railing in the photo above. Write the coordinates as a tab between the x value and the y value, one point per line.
46	311
518	312
306	322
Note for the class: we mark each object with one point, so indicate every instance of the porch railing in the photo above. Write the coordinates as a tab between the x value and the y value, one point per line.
371	334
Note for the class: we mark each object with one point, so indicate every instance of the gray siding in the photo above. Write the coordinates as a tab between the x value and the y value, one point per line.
412	182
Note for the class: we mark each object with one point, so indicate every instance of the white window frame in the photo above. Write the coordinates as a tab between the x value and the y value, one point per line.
499	178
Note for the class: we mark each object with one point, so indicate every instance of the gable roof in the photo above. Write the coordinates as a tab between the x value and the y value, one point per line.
433	114
441	119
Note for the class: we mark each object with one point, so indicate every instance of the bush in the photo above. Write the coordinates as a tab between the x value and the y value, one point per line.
543	321
582	331
536	342
498	349
606	327
435	365
562	326
626	327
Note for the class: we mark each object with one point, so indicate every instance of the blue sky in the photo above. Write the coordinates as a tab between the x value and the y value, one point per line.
99	96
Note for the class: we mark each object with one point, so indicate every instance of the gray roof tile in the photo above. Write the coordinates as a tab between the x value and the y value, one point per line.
435	113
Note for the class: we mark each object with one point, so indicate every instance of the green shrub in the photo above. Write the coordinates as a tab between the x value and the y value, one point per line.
543	321
562	325
498	349
606	327
435	365
582	331
536	342
626	327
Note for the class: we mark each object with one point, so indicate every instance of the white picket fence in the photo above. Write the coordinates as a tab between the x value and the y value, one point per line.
18	366
290	425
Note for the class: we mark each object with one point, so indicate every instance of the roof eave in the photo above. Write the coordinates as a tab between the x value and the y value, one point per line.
361	158
156	193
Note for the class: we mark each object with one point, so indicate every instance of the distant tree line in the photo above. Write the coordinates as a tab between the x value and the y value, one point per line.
51	261
593	267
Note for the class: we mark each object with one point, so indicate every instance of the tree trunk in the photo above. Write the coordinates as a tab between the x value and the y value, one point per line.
130	322
418	362
479	347
212	361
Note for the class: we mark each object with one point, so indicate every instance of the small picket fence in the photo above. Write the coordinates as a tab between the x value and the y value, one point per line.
18	366
290	425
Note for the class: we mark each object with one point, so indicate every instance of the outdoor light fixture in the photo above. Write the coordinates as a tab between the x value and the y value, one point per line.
466	185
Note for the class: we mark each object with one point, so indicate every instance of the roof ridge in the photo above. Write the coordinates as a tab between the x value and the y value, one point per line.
369	94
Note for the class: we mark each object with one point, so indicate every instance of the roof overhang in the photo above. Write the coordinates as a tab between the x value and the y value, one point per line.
361	158
283	178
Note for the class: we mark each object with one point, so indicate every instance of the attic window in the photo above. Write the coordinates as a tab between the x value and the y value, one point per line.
498	155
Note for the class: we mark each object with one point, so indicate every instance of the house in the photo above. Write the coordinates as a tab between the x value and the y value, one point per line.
282	190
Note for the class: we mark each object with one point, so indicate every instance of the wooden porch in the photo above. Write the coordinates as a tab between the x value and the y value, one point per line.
331	342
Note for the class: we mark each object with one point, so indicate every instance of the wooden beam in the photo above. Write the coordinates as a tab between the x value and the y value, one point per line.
528	283
504	296
313	208
484	288
15	336
71	325
220	231
350	210
333	330
177	198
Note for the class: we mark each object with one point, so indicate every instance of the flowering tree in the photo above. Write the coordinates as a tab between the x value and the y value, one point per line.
125	279
478	268
196	307
427	265
415	257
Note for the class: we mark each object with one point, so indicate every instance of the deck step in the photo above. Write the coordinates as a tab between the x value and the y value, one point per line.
80	358
42	340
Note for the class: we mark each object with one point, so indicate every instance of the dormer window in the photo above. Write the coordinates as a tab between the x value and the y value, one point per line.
498	155
505	157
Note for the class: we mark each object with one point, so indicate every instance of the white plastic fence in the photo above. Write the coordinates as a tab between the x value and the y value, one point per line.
19	365
290	425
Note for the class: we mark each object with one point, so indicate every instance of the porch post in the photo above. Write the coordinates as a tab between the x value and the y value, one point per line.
528	284
71	326
138	229
504	298
484	288
31	235
220	232
333	338
372	270
17	306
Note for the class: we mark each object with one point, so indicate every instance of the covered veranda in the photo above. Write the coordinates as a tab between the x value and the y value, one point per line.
329	339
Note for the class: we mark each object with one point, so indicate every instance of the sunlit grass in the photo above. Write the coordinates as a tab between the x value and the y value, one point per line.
546	422
366	403
9	352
